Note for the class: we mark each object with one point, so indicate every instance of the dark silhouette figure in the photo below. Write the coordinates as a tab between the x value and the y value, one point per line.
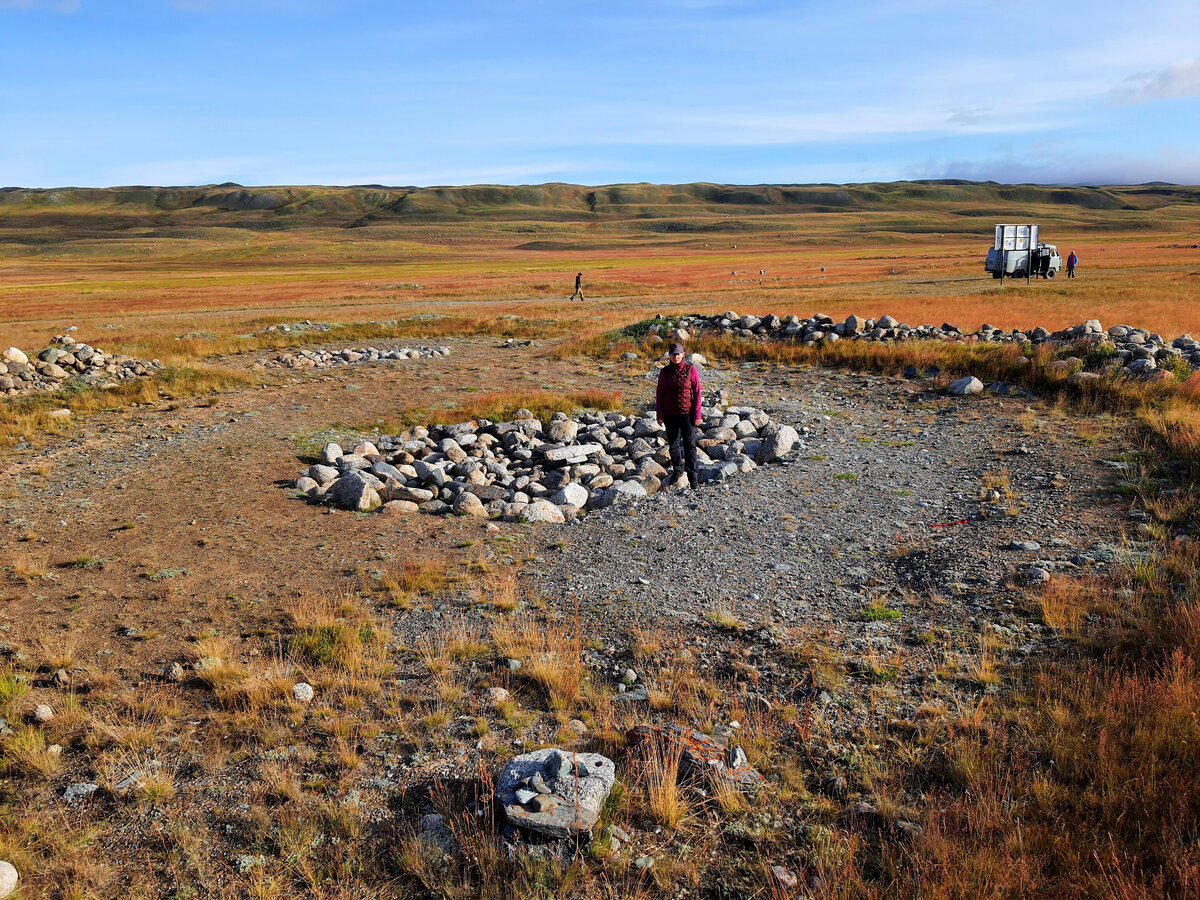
578	287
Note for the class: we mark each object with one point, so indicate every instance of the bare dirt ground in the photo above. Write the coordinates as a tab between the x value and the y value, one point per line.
195	490
864	583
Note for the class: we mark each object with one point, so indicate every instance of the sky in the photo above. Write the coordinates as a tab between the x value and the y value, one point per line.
171	92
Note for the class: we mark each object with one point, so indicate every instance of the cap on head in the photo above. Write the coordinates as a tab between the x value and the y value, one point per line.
675	349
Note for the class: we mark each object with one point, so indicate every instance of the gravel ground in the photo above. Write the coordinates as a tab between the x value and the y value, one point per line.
879	509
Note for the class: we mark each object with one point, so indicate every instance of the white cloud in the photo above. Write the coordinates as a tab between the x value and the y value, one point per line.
1049	167
1180	79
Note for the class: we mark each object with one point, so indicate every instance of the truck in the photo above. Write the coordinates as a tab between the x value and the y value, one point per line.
1017	253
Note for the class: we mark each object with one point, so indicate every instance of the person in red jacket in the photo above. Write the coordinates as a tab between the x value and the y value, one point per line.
677	405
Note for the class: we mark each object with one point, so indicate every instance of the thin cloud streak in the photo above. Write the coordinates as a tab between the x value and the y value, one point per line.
1180	79
1175	166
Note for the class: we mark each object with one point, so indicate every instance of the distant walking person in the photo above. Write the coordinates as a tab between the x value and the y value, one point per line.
1072	262
578	287
677	405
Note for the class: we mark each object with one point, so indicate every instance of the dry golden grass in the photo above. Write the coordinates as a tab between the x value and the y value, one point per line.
25	752
656	774
29	416
338	633
59	651
439	650
551	657
27	568
414	579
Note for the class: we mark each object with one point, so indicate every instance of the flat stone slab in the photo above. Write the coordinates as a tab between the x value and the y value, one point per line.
577	784
572	451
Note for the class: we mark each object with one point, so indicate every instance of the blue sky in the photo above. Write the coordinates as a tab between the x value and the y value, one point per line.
114	92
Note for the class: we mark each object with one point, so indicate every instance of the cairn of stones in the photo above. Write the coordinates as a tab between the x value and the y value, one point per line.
350	356
527	470
1136	351
67	361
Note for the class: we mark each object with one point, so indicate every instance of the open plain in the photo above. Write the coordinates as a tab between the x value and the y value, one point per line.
955	635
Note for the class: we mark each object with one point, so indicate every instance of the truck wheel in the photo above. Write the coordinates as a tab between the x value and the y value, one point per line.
1020	273
1049	273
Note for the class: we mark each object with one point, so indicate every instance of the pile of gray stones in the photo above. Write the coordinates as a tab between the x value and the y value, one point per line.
1137	351
67	361
328	359
527	470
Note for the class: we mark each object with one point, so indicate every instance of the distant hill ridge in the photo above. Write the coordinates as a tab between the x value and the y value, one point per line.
362	205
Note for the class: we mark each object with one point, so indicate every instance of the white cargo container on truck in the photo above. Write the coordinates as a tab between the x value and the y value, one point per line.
1017	253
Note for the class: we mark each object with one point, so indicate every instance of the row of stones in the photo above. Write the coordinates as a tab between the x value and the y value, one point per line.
1127	345
325	359
524	470
66	361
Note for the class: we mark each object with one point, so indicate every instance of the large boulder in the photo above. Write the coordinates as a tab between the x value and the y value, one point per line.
776	441
965	386
15	355
352	491
563	431
322	474
572	495
555	792
467	504
543	511
621	493
330	454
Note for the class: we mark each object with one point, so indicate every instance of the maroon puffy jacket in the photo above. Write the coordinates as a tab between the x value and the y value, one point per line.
678	391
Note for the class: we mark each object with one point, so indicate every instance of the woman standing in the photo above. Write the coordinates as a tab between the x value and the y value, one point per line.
677	404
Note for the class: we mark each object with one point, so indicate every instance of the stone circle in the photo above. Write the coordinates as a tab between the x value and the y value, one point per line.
530	471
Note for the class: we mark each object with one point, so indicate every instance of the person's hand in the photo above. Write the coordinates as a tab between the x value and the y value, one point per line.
660	421
697	423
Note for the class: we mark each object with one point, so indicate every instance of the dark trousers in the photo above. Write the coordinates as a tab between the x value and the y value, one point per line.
681	438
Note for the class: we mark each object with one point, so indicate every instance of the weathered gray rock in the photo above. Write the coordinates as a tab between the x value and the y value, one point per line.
621	493
563	431
78	791
323	474
303	692
965	386
1037	575
573	451
467	504
330	454
352	491
578	785
8	879
702	755
543	511
776	442
573	494
307	485
394	491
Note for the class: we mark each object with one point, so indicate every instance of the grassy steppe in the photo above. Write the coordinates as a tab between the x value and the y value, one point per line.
133	264
1080	778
